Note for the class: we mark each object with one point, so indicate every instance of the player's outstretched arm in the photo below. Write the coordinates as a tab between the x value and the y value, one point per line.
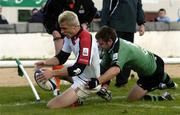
109	74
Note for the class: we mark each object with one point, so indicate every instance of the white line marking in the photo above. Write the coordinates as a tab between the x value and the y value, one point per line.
21	104
97	98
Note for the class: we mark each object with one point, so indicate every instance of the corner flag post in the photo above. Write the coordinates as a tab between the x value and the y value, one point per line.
23	72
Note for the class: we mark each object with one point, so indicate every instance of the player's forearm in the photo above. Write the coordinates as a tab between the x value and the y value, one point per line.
52	61
109	74
60	73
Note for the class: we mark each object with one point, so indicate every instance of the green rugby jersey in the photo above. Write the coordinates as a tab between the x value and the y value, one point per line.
127	54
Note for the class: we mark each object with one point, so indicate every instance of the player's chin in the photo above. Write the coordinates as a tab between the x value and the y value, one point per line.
68	35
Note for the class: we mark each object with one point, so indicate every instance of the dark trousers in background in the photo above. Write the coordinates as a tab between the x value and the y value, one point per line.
122	77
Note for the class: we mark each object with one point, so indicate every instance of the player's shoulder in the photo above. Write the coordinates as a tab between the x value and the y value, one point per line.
85	35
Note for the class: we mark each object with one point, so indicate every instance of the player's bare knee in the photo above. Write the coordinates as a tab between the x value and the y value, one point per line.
50	105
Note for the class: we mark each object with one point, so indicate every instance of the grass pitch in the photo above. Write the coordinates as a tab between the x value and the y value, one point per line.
21	101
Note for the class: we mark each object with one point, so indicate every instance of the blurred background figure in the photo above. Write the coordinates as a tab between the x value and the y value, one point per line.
178	20
2	18
36	16
162	16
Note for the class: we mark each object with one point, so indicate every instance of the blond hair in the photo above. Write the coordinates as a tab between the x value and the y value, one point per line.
70	17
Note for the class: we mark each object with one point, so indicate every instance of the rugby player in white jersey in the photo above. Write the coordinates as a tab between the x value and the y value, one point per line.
85	49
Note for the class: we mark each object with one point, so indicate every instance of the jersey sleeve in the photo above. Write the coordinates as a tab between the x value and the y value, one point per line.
115	60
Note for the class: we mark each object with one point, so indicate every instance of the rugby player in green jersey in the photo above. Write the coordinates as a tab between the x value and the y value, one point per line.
120	54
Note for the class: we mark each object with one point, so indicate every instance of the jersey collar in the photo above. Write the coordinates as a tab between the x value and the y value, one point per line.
115	46
76	36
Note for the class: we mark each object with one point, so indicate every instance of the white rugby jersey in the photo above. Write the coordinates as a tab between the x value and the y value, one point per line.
85	49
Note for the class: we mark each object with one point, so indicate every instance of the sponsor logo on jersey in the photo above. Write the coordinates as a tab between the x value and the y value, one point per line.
115	56
77	71
85	52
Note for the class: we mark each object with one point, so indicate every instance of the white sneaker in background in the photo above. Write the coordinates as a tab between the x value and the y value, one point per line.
105	94
168	96
165	86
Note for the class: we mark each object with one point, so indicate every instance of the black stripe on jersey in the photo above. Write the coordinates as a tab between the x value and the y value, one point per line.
115	46
76	69
114	50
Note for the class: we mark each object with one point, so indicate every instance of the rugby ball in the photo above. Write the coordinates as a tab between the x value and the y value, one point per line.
48	85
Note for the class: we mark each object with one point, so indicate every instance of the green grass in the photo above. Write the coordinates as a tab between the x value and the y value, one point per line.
20	101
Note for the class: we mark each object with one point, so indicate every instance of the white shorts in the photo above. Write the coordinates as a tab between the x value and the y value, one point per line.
79	88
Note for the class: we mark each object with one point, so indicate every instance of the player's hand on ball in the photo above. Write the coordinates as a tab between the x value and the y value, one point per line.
44	75
39	75
47	74
42	81
94	82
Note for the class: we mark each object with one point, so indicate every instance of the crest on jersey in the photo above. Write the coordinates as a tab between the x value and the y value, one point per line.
85	52
115	56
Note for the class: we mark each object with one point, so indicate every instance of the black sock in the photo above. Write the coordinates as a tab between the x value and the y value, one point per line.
153	98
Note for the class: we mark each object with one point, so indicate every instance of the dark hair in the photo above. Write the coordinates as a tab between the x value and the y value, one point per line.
105	33
162	9
34	9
